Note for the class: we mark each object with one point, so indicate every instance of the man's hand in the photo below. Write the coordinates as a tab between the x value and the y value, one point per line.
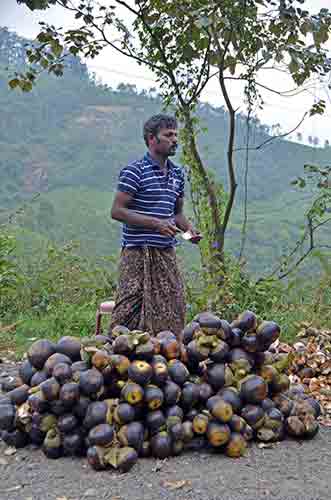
196	236
167	227
192	235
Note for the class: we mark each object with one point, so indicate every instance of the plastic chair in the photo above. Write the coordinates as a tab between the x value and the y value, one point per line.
105	308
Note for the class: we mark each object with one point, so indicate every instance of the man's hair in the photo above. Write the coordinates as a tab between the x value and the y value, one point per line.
155	123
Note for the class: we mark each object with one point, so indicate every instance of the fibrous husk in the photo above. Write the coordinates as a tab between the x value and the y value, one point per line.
311	365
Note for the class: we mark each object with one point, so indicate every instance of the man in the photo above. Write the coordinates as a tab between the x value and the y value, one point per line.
149	202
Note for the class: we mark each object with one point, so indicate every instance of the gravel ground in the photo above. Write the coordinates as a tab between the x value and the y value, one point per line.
291	470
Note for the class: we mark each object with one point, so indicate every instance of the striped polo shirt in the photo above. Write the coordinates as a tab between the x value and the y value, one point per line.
154	194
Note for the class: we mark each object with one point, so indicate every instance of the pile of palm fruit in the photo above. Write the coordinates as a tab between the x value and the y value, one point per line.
133	395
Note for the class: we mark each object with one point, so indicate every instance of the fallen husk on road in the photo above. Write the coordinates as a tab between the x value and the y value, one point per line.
134	395
311	366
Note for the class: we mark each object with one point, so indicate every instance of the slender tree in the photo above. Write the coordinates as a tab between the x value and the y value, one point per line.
186	44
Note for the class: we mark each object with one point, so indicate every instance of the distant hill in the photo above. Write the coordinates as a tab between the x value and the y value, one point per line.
70	136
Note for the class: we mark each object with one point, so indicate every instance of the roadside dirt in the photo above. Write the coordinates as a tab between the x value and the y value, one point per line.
291	470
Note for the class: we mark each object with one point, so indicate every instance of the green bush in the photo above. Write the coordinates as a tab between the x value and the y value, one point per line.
64	319
56	292
290	303
60	275
10	278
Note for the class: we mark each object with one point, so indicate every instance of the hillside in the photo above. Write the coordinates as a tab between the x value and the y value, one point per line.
70	136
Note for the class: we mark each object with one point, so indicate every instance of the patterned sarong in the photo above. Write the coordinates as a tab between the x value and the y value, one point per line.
150	294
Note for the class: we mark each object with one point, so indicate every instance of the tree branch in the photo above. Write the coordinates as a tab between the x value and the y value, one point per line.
244	227
284	93
309	231
303	257
198	88
270	139
232	178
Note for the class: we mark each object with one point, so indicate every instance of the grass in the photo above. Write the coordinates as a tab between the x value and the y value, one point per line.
70	319
79	321
293	316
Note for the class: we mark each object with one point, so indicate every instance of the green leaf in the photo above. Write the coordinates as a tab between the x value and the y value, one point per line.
26	86
306	27
188	52
30	76
13	83
300	182
57	49
88	18
231	63
293	66
321	36
44	63
318	108
312	168
57	69
43	37
74	50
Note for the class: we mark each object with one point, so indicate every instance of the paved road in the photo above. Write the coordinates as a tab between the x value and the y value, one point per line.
289	471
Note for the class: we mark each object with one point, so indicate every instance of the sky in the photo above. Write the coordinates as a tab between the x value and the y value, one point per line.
113	68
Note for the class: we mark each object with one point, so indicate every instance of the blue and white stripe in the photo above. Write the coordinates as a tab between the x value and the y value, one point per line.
154	194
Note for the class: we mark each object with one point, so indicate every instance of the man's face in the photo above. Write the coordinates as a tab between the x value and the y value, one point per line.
165	143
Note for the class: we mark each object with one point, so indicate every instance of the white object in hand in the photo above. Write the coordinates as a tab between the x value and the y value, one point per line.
187	235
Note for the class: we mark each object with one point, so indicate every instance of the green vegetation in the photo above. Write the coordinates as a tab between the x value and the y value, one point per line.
185	45
56	291
67	140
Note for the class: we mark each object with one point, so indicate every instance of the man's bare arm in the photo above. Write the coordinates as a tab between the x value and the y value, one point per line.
181	221
122	213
